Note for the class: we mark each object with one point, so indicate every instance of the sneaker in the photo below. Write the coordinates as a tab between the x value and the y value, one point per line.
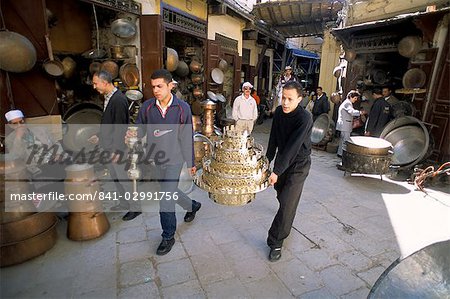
191	215
340	167
275	254
165	246
130	216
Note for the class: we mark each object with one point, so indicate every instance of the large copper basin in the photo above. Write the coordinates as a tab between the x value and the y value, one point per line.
26	228
19	252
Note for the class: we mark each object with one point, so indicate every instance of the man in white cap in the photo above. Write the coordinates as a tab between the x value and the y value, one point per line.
286	77
245	111
33	144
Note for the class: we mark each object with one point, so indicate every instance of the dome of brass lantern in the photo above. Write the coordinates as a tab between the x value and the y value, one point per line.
236	170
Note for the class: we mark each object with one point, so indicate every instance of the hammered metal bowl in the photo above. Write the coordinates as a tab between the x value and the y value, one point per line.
323	129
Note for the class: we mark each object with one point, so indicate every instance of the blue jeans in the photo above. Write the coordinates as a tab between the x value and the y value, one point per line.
169	176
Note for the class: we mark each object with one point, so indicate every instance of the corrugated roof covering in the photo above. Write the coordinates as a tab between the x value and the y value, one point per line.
294	18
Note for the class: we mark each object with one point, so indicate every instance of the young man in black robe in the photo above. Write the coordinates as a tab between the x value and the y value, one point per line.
291	135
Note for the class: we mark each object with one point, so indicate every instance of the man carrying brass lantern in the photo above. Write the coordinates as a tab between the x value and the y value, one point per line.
245	110
291	136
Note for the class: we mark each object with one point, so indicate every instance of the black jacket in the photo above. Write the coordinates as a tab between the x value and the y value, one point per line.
320	106
291	135
114	123
380	114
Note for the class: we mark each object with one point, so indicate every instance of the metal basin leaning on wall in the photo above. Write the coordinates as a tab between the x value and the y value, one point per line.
410	139
323	129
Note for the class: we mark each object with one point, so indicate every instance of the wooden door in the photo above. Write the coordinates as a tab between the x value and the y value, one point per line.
151	50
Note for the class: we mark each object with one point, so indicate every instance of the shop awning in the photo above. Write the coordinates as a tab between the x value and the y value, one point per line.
398	24
295	18
305	54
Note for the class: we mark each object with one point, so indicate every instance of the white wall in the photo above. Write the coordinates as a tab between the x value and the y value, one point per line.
226	26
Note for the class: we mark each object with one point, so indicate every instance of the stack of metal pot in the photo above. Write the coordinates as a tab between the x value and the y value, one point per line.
25	233
236	170
86	217
367	155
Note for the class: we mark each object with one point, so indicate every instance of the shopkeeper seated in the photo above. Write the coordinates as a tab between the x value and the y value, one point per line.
34	145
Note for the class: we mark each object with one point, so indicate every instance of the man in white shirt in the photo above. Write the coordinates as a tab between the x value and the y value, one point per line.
245	111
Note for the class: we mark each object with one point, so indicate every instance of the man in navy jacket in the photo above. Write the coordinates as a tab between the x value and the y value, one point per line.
167	122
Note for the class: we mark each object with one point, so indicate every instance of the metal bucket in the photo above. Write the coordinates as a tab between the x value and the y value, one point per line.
323	130
410	140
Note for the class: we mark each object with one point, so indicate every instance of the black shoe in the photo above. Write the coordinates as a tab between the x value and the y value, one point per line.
130	216
165	246
119	207
340	167
275	254
191	215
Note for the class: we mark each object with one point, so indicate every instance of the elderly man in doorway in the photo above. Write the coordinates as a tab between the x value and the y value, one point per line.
245	110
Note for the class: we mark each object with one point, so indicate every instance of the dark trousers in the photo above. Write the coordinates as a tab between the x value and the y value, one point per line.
169	176
289	189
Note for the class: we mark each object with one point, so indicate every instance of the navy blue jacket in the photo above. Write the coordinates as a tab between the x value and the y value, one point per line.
171	135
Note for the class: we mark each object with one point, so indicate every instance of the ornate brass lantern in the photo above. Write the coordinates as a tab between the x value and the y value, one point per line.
236	170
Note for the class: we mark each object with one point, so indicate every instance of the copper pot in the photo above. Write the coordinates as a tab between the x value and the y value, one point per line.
117	52
197	79
81	182
111	67
26	228
350	55
69	67
195	66
409	46
19	252
196	107
95	67
182	69
129	73
171	60
17	52
197	92
196	123
414	78
87	226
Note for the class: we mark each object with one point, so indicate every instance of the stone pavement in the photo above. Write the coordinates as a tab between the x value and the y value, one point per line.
347	231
